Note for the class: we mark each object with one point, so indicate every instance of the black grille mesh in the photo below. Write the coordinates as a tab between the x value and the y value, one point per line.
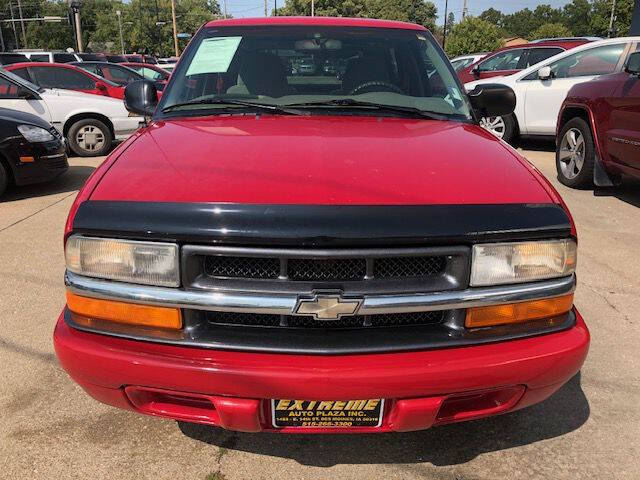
338	269
335	269
403	267
351	321
242	267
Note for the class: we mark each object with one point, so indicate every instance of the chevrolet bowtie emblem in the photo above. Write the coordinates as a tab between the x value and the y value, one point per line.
327	307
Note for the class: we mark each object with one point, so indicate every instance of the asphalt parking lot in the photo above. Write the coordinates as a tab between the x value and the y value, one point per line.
51	429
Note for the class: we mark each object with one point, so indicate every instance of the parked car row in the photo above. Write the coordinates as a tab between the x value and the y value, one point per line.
587	95
89	122
68	57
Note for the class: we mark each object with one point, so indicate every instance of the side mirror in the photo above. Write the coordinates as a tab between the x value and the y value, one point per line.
141	97
492	100
475	71
545	73
27	94
102	87
633	64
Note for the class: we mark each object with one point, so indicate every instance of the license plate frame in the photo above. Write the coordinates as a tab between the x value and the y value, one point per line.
329	418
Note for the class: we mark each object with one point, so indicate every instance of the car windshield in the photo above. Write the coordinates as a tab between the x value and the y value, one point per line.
21	81
318	69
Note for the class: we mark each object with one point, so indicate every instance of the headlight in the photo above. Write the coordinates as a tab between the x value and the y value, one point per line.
149	263
35	134
500	263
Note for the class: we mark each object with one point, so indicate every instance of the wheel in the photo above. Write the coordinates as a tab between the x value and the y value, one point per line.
502	127
89	137
4	178
575	154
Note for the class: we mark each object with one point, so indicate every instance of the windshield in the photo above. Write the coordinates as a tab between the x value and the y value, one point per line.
21	81
312	66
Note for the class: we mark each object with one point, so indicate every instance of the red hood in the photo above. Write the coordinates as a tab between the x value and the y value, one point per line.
319	160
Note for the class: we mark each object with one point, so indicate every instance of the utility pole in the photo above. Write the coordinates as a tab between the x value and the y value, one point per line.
119	14
13	24
24	35
75	8
313	8
635	19
225	8
265	9
175	28
1	39
275	7
464	9
613	14
444	31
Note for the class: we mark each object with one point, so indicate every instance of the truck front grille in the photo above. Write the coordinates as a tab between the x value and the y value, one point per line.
303	321
216	266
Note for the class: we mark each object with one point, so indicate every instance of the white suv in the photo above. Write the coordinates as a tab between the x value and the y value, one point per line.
541	88
90	123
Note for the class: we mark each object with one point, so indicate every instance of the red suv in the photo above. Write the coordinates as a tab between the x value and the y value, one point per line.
317	254
509	60
598	139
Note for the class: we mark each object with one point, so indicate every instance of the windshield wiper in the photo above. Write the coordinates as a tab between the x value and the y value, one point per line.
350	102
228	101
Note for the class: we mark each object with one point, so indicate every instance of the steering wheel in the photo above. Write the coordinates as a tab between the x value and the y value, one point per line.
376	83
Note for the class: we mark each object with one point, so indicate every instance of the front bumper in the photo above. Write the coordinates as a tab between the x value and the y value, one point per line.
237	385
49	161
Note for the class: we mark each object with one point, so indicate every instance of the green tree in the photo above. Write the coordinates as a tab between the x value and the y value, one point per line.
601	14
143	27
493	16
451	21
551	30
575	15
325	8
473	35
416	11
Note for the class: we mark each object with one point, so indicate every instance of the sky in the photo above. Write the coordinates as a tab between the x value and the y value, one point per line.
255	8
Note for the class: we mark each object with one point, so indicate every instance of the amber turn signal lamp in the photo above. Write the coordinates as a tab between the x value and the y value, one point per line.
125	313
518	312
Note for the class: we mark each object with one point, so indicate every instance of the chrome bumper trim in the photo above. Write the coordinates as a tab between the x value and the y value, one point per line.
229	301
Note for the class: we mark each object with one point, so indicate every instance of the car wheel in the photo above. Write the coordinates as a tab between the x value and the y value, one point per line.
575	154
4	178
89	137
502	127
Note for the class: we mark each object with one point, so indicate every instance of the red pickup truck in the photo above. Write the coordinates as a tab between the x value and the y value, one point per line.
340	252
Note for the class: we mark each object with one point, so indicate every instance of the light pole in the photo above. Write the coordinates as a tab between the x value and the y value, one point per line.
313	8
613	14
444	31
175	28
119	14
24	35
75	7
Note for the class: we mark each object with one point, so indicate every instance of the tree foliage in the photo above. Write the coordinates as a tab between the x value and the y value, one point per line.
473	35
146	26
551	30
100	24
416	11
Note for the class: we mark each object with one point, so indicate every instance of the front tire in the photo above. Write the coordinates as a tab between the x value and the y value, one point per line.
575	154
503	127
89	137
